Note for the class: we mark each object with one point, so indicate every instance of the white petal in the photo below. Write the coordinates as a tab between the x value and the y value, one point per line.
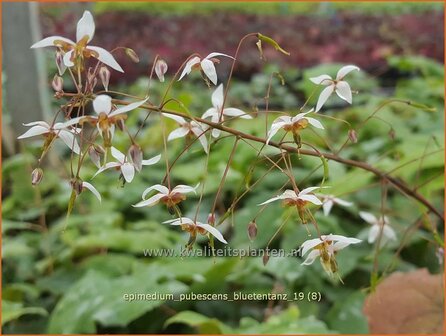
38	123
311	198
151	161
183	189
200	134
179	221
208	68
322	80
289	194
342	202
178	133
340	245
343	239
275	127
344	92
158	187
128	171
50	42
327	207
108	165
314	122
149	202
309	244
209	113
271	200
117	154
92	189
85	27
216	54
102	103
307	190
217	97
345	70
213	231
234	112
188	67
311	257
128	107
178	119
67	58
325	94
388	232
33	131
368	217
69	139
73	121
106	57
373	234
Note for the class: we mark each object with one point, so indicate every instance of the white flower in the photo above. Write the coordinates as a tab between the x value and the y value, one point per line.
377	225
106	119
329	200
325	247
186	128
338	85
206	64
58	130
194	227
217	112
169	197
86	185
127	168
293	124
291	198
77	51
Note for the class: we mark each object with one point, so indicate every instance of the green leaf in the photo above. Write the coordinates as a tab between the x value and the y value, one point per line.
13	310
204	324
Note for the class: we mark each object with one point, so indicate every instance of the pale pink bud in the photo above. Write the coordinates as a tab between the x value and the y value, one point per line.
160	69
104	74
95	152
132	55
211	218
135	154
265	258
57	83
252	230
353	136
36	176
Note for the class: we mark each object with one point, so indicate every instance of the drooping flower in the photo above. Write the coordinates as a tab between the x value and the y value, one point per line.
300	199
161	69
168	197
58	130
329	200
188	128
106	118
377	225
206	64
126	167
326	248
194	227
292	124
76	52
338	85
217	112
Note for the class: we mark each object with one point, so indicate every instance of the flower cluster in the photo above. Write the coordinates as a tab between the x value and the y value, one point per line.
92	119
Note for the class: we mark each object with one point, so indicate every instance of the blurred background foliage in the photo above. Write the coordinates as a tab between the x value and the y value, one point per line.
68	275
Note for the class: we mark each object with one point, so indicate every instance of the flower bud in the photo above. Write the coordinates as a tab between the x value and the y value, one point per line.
57	83
77	186
59	63
135	154
132	55
352	135
252	230
265	258
36	176
211	219
104	74
259	46
96	152
160	69
120	123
